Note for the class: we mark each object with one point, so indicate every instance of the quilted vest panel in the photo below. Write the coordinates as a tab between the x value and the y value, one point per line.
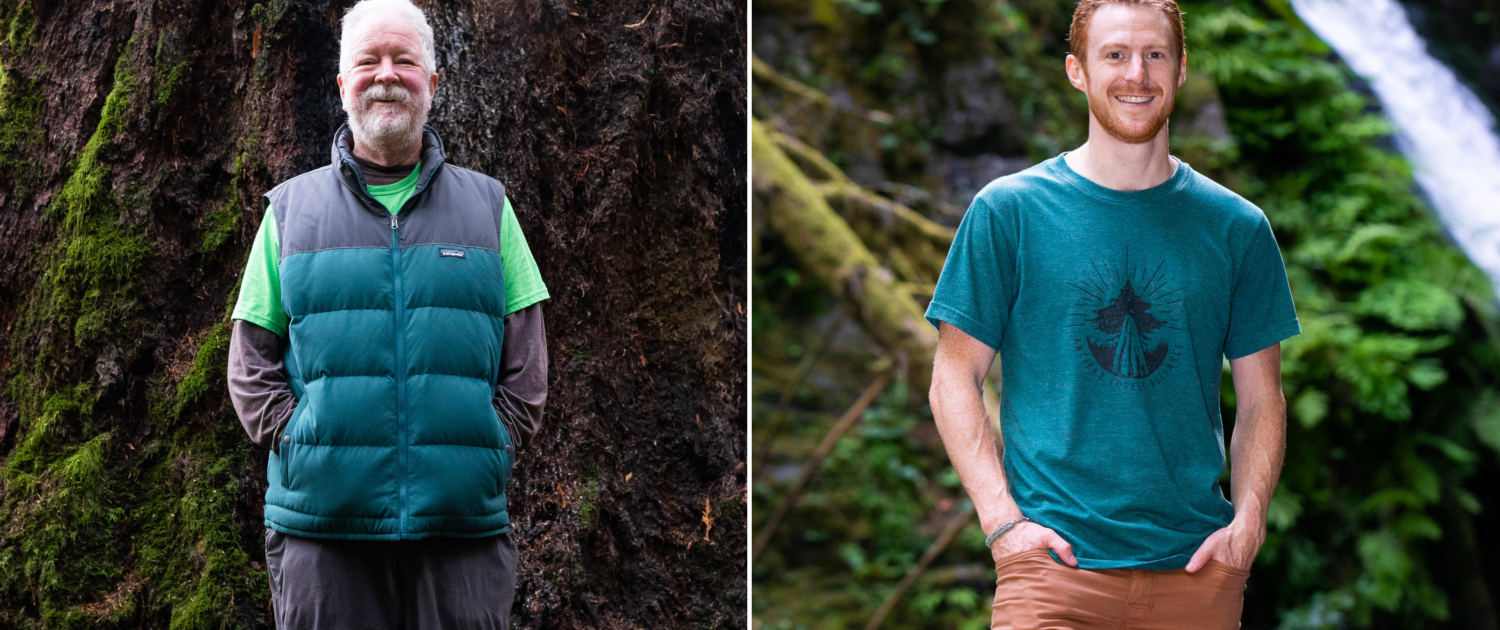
395	329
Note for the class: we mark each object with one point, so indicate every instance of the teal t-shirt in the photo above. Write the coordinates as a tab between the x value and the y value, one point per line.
1112	312
259	300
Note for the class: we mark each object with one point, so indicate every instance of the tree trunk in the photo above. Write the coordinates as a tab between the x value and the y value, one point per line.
135	141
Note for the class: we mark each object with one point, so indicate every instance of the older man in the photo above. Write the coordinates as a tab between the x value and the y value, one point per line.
1114	280
388	348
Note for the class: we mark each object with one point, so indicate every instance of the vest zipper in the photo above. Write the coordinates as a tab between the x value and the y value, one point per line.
400	370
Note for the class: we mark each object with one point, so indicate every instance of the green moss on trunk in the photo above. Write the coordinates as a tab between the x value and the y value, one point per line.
110	523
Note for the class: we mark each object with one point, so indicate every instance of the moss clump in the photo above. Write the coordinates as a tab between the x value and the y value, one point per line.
268	14
166	80
64	502
76	556
20	111
178	553
207	371
167	74
189	540
21	26
219	225
588	496
83	194
91	274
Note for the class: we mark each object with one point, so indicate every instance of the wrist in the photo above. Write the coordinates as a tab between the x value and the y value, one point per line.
1003	529
1248	525
989	521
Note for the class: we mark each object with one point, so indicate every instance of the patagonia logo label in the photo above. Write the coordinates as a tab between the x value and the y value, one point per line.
451	253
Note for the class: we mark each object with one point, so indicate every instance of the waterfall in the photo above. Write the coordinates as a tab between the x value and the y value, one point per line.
1442	128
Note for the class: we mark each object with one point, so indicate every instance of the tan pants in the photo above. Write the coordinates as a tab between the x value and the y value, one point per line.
1034	592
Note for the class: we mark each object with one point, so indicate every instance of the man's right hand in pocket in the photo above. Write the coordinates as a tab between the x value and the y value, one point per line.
1028	536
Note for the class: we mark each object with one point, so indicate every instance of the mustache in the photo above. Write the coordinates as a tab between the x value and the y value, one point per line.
385	92
1134	90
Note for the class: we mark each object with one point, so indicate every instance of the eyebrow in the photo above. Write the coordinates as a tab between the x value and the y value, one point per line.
1111	46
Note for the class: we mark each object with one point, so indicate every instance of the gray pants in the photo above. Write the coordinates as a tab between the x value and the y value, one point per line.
409	585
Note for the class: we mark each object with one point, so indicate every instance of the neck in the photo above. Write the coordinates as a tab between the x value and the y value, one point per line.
407	152
1110	163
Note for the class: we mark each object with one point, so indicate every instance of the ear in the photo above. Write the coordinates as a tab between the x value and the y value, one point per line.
340	80
1182	69
1076	74
432	86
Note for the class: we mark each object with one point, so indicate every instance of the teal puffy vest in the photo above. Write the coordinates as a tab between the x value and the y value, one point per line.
395	330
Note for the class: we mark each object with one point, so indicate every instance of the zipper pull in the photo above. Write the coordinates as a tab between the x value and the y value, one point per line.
393	222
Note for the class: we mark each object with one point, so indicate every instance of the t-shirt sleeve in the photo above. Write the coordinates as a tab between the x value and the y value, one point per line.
523	281
1260	309
977	287
259	301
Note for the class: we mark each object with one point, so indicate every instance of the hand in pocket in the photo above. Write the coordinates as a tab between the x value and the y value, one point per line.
1028	536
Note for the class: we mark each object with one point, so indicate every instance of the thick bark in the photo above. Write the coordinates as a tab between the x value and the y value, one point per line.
135	140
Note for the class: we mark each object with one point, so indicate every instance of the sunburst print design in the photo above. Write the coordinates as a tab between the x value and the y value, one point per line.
1128	320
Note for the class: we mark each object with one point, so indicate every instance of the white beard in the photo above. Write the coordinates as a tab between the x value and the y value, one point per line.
395	126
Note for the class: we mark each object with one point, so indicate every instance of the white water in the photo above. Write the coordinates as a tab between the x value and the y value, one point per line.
1445	132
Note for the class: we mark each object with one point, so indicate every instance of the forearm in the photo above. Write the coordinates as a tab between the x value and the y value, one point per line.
958	408
521	391
1256	448
258	385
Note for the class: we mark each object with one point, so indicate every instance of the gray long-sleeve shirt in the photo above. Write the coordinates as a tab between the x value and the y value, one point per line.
263	397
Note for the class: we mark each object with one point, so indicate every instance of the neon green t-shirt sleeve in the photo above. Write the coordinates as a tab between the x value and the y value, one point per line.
259	301
523	281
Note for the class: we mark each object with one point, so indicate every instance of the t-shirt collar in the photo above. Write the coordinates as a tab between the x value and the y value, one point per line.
1179	180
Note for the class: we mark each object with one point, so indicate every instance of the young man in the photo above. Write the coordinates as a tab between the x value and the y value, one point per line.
389	349
1113	280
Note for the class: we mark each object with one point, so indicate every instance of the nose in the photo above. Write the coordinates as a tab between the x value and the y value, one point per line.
386	72
1136	72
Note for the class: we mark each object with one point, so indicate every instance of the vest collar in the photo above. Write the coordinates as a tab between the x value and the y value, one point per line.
433	157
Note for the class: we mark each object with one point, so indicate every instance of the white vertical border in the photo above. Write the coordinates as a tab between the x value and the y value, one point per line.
749	328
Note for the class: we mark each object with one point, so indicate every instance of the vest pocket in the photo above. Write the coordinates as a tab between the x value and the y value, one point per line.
288	446
507	451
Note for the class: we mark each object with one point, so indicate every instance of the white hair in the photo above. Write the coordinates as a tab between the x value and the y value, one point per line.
366	9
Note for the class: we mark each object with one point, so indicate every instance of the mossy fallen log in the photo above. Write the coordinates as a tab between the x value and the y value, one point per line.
831	251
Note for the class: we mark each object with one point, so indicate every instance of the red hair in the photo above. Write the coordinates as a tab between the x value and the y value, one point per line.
1078	33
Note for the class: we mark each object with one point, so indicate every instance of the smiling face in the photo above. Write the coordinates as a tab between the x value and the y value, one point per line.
387	87
1130	71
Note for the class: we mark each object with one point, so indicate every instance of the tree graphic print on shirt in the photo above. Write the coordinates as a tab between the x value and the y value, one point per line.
1129	322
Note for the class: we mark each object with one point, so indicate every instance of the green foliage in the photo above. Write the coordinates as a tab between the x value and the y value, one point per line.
1392	405
862	525
1381	295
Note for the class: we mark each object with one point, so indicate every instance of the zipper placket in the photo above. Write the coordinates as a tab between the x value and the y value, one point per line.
361	190
400	367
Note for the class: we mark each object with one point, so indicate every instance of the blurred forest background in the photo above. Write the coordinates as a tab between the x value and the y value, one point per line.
874	123
136	138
